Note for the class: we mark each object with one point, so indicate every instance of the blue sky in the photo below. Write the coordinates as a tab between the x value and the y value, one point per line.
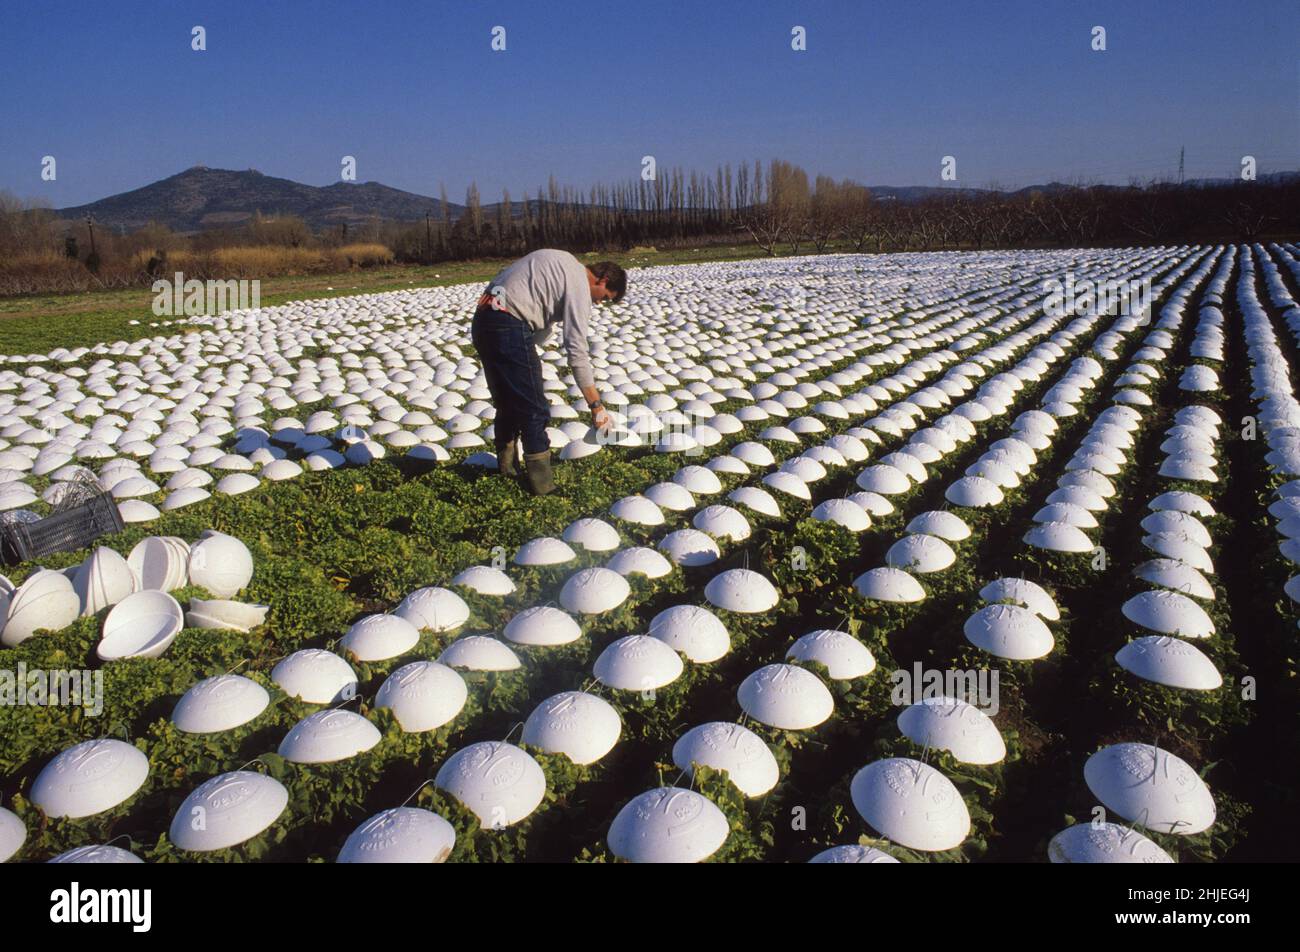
413	90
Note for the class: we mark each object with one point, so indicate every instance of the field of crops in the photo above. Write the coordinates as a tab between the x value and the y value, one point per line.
890	558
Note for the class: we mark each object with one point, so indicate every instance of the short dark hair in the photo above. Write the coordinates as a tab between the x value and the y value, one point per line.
614	275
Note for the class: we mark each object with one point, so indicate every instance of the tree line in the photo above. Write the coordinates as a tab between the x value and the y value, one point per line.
776	207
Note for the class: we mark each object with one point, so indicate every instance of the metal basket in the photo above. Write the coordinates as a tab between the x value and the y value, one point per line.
64	531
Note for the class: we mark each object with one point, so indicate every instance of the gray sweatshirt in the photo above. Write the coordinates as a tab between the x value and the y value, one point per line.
548	287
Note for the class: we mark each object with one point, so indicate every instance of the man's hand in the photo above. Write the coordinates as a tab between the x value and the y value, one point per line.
600	418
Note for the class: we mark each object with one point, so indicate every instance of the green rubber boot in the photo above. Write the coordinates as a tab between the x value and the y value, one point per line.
538	467
508	459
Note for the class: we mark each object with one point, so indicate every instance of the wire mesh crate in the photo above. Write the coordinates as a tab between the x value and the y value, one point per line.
66	530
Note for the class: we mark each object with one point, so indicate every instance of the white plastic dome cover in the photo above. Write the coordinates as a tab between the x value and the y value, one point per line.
668	825
542	625
400	835
640	560
433	608
722	522
592	591
219	703
694	631
141	625
742	591
787	482
689	547
160	563
889	584
479	653
235	807
884	479
740	752
499	783
1021	591
1058	537
328	736
843	512
911	803
423	695
637	509
1169	661
544	551
786	696
953	725
638	663
1009	631
104	579
1177	576
853	853
581	726
485	579
99	854
940	524
594	535
757	499
46	600
1104	843
316	676
843	655
1149	785
13	833
920	553
974	492
379	637
1168	613
89	778
220	563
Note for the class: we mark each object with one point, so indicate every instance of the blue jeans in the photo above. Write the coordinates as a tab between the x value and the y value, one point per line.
514	376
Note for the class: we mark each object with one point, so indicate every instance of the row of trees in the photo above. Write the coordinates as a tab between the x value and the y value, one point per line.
780	209
776	207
